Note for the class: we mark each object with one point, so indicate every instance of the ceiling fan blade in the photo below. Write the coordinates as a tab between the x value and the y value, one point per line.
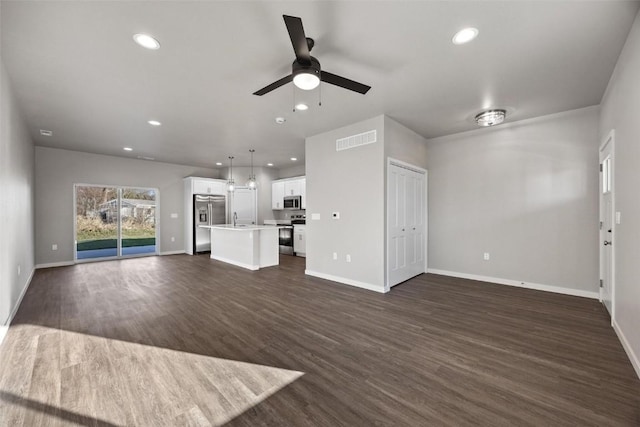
275	85
298	39
344	82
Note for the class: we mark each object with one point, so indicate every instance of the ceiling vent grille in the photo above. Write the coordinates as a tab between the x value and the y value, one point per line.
356	140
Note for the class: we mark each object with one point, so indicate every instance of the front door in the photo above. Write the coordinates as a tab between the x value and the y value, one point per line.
405	223
607	224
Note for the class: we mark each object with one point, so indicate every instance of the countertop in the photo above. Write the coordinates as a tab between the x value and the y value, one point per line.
240	227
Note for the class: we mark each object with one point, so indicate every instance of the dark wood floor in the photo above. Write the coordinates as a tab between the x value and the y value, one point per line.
183	340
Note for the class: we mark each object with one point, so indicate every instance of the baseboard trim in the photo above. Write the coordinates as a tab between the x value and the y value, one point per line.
627	347
172	252
236	263
5	328
55	264
351	282
518	284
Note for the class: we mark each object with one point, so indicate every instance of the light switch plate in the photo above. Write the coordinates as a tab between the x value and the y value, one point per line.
618	215
315	216
174	215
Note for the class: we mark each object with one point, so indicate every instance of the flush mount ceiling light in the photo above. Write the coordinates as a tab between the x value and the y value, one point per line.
251	183
302	107
269	164
154	123
230	184
306	77
146	41
465	35
128	149
218	164
293	159
45	132
490	117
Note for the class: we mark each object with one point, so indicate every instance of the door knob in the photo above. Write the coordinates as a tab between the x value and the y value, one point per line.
607	243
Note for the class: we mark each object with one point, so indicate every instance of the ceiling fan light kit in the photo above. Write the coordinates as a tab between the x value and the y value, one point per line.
306	72
491	117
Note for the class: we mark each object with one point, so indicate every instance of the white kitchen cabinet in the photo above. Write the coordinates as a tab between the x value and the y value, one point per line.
300	240
303	193
288	187
277	195
292	187
208	186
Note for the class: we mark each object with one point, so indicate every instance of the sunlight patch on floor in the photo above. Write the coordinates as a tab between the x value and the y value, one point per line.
74	377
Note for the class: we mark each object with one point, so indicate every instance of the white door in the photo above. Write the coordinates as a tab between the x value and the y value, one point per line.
607	224
244	204
406	228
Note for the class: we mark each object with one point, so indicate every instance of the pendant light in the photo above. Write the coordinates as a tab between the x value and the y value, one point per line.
251	183
230	183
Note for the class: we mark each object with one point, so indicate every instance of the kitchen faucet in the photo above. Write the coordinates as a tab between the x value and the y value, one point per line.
235	218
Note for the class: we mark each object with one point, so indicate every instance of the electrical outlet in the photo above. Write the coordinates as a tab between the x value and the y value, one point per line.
487	256
54	247
335	256
173	239
348	259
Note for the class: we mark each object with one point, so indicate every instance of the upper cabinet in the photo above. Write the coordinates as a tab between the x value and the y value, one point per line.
277	195
292	188
207	186
288	187
303	193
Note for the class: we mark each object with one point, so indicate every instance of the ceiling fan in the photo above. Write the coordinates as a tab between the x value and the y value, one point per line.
306	73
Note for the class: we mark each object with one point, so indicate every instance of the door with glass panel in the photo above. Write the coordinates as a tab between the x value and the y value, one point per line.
114	222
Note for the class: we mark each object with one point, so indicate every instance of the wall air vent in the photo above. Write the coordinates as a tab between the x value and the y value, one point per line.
356	140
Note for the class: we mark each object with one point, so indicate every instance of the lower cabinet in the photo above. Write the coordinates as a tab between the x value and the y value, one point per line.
299	240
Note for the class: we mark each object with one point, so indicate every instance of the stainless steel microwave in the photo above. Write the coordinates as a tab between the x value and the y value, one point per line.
292	202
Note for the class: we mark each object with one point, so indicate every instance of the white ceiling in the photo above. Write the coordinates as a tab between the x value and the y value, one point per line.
76	70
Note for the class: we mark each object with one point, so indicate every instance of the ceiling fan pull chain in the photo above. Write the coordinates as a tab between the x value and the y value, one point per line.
320	94
293	87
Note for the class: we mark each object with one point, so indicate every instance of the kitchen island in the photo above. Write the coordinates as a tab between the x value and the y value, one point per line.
248	246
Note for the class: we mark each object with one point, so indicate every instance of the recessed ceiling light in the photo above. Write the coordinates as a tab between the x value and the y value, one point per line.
465	35
128	149
218	164
45	132
280	120
490	117
269	164
147	41
293	159
154	123
302	107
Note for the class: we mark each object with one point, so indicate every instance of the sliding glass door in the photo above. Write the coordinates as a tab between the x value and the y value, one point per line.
114	222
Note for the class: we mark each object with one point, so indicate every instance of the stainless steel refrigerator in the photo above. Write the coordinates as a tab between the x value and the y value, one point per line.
207	210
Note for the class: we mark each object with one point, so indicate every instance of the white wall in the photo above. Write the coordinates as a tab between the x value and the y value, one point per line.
527	193
264	176
620	110
58	170
350	182
292	171
16	204
401	143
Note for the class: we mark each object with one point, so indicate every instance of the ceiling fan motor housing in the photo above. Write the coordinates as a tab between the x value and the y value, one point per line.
301	68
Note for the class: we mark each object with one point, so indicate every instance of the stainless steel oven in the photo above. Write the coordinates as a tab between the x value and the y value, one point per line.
285	235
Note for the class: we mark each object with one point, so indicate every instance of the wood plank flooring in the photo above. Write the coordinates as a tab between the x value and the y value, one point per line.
184	340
